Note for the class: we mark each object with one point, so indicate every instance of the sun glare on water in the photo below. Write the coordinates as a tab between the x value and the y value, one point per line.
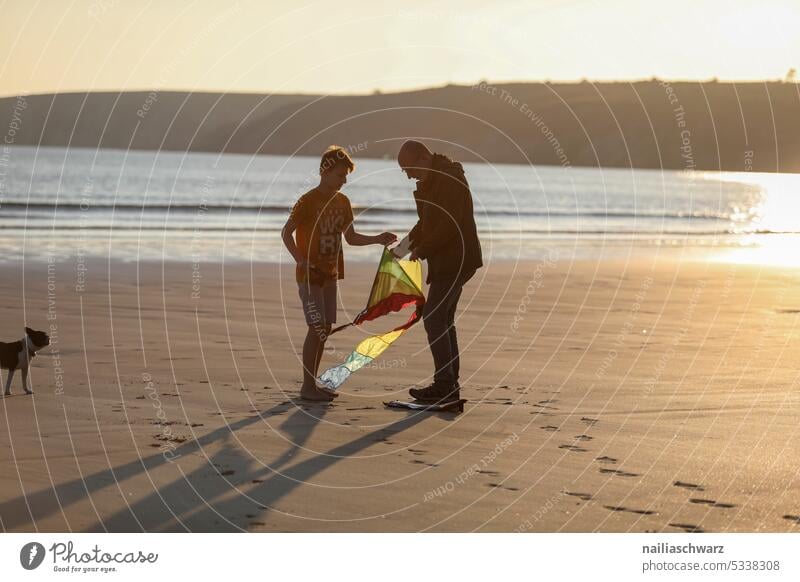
772	237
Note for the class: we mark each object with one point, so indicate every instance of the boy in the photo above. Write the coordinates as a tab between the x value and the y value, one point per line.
320	217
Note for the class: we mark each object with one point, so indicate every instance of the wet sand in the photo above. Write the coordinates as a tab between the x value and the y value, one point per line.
642	395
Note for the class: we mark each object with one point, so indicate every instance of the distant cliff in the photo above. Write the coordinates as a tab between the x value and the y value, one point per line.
648	124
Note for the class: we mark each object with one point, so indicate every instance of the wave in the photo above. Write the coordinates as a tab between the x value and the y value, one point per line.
369	210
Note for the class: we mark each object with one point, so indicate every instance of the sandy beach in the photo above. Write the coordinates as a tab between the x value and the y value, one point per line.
618	395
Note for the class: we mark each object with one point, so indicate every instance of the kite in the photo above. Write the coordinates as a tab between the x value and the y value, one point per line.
397	284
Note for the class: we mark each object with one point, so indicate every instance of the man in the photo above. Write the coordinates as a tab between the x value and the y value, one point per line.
447	238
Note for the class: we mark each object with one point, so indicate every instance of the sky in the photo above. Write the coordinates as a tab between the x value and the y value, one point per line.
358	46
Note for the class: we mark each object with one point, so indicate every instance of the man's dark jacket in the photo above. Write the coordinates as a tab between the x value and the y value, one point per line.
446	235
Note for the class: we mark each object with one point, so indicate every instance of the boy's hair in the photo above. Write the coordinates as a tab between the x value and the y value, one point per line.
335	156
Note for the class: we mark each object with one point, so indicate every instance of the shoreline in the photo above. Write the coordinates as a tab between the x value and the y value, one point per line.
745	249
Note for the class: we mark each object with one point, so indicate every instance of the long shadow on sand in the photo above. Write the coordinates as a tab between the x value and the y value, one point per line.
225	494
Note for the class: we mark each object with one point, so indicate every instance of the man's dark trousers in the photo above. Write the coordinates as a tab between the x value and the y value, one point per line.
439	320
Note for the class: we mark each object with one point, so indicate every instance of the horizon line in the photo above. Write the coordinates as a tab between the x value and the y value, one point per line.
378	91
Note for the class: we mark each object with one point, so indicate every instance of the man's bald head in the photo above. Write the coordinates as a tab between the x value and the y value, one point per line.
415	159
413	148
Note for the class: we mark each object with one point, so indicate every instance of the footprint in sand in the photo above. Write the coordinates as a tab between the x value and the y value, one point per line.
501	486
629	510
572	448
228	472
688	527
689	486
362	408
712	503
491	473
549	427
171	439
588	420
581	496
619	473
421	462
794	518
417	451
583	437
605	459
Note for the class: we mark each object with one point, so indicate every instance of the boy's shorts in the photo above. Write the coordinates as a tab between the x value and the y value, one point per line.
319	302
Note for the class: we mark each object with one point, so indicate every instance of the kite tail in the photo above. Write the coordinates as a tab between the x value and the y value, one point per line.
366	352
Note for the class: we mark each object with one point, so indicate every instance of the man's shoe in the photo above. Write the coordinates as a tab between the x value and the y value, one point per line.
435	393
426	394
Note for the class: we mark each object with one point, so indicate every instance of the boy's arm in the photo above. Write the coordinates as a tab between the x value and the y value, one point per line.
287	234
357	239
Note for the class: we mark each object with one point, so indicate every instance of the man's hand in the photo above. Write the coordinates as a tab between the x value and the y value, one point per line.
386	238
414	256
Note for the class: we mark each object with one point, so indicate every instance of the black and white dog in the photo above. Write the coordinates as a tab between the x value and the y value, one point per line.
18	355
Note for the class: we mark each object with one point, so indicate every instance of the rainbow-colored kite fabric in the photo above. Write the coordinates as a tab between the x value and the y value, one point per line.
398	284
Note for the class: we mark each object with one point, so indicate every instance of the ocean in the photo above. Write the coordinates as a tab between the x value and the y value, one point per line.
60	203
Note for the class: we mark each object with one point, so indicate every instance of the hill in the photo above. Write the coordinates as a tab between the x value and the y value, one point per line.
646	124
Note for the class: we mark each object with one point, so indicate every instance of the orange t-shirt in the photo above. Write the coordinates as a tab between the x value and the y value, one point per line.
320	221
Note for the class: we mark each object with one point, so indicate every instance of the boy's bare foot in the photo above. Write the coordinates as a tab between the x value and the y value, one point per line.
317	393
328	391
